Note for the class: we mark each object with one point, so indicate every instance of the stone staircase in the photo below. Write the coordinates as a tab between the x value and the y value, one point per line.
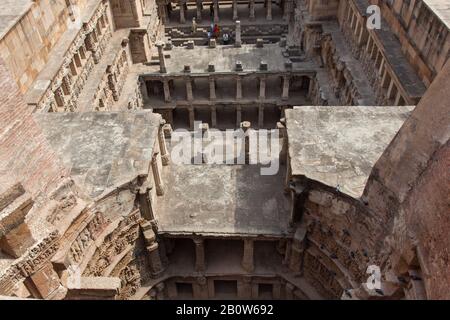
294	53
272	33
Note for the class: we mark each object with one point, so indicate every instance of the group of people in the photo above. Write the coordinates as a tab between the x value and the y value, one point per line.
214	32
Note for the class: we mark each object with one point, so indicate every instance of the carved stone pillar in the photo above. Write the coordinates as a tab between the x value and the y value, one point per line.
262	88
252	9
144	91
189	93
200	289
269	10
213	116
199	10
146	205
166	86
216	11
238	41
235	10
284	147
165	156
212	88
296	257
191	117
182	13
276	291
238	88
200	263
285	95
172	291
261	116
245	288
160	294
238	116
247	259
157	176
297	250
287	9
162	11
162	59
155	262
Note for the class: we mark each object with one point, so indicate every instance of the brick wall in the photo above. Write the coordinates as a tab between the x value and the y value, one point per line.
25	155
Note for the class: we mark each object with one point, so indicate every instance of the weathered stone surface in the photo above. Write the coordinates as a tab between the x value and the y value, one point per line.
45	281
106	148
338	146
92	206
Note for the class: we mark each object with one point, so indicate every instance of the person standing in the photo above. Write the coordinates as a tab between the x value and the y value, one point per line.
216	31
225	38
194	26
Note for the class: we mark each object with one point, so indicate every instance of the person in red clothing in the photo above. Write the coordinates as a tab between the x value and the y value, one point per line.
216	31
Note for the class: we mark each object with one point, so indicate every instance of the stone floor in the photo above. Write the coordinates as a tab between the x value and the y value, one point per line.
224	58
222	199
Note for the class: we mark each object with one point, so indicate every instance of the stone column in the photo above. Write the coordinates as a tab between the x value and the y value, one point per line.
157	176
245	288
172	292
156	264
283	134
238	88
162	59
235	10
160	295
145	204
182	13
216	11
213	116
162	11
199	11
287	10
296	257
212	88
277	291
247	259
200	261
285	95
165	156
143	87
238	41
293	207
255	290
238	116
261	116
262	88
252	9
200	289
269	10
189	93
155	259
167	97
191	117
